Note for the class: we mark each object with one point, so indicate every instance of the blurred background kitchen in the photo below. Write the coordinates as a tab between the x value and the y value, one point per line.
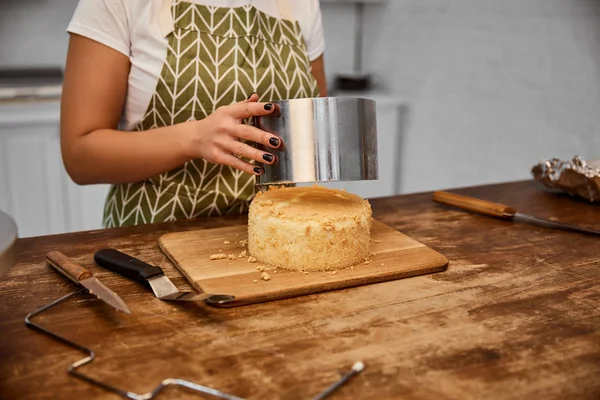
468	91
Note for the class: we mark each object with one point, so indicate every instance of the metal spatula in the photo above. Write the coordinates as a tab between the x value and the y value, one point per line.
154	277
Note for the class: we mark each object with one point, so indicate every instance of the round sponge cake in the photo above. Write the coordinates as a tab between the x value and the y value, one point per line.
309	228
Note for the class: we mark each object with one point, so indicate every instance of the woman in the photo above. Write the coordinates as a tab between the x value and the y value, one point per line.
158	93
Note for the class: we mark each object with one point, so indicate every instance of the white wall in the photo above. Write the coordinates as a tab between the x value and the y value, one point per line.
493	85
32	32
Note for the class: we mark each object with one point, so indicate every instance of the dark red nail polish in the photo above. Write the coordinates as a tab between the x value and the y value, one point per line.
268	157
268	106
258	170
274	142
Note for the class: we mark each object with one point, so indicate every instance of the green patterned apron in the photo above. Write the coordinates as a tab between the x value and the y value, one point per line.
216	56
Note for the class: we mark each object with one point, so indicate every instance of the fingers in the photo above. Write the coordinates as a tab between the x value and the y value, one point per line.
226	145
230	153
252	98
244	150
233	161
250	108
253	134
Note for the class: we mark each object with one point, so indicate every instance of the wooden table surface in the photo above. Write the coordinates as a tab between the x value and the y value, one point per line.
516	315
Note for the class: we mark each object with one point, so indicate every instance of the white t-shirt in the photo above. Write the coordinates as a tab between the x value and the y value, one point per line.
132	28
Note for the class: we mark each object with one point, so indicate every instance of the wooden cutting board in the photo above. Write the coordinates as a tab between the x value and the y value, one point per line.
395	256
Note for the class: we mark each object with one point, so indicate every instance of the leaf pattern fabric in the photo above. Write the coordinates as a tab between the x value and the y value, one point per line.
216	56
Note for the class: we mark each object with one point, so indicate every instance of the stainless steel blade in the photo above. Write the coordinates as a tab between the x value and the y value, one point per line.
164	289
551	224
97	288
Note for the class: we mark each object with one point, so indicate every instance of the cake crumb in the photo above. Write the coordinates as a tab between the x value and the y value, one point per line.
260	268
255	281
352	267
265	276
333	272
252	259
219	256
382	264
367	262
243	254
376	241
243	242
305	272
231	257
227	242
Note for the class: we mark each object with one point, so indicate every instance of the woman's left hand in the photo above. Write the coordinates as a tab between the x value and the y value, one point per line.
219	138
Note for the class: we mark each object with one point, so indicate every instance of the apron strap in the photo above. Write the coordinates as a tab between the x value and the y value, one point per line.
283	6
165	18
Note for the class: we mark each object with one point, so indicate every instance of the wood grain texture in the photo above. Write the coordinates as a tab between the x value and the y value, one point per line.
515	316
395	256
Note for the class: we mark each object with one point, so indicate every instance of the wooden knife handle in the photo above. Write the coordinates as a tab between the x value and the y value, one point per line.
67	267
472	204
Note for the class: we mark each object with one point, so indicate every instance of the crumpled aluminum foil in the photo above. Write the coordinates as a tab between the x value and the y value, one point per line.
576	177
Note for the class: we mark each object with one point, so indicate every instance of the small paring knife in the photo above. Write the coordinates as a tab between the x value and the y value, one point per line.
85	278
152	276
502	211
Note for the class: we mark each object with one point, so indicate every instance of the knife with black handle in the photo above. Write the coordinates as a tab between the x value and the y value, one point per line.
153	276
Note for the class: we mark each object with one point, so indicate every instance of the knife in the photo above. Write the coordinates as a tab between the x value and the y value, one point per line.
502	211
152	276
85	278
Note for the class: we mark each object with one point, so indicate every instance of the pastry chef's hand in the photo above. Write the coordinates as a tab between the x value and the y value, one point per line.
216	138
